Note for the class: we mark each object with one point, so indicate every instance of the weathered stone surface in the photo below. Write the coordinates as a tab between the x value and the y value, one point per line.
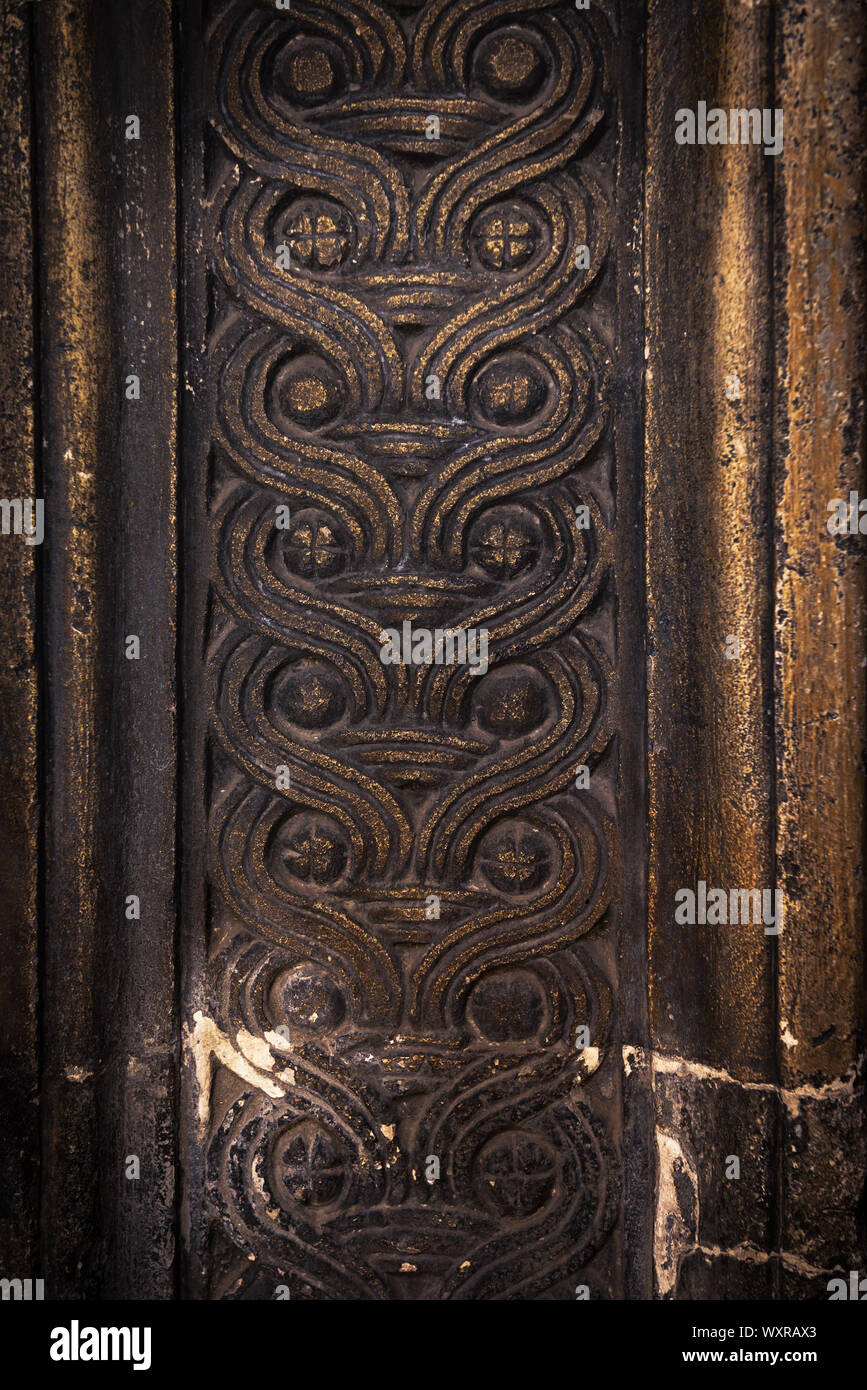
399	342
284	1037
755	419
825	1144
19	700
715	1120
723	1275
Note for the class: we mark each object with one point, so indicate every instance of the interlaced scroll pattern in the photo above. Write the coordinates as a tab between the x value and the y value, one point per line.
395	1102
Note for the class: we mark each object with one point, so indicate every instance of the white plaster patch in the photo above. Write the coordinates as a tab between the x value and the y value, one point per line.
786	1033
256	1050
590	1059
842	1089
750	1254
206	1041
279	1041
634	1059
675	1227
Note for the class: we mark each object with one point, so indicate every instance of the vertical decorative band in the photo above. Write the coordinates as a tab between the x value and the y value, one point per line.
408	687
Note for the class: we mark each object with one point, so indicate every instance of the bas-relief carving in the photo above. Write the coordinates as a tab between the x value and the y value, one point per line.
419	375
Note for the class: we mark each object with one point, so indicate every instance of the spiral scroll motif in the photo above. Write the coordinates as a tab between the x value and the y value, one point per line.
419	377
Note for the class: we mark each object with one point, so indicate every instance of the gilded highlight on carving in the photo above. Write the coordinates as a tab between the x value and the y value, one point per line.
433	717
410	650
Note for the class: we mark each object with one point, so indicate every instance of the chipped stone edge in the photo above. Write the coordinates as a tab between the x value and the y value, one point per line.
675	1231
251	1060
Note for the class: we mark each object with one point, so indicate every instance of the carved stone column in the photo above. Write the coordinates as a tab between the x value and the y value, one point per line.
755	420
458	449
